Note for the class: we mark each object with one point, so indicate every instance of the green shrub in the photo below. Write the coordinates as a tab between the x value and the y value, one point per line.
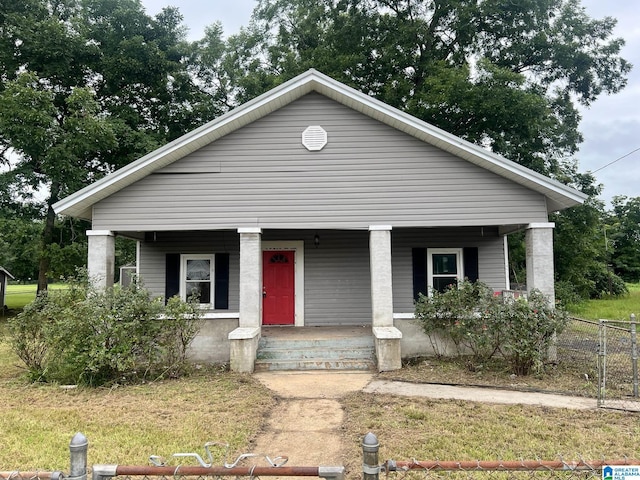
478	322
93	337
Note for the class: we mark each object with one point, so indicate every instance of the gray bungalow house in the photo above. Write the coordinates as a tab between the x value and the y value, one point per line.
315	205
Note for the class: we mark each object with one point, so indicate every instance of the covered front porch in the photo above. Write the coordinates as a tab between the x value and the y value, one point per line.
364	280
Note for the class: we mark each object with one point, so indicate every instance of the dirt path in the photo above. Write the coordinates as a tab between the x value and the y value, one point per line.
305	427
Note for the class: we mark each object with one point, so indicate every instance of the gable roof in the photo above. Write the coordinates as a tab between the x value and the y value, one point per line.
78	204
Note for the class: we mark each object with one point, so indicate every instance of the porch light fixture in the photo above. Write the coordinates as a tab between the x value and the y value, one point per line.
316	240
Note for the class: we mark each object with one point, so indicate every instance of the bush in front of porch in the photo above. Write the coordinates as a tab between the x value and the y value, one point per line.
88	336
485	325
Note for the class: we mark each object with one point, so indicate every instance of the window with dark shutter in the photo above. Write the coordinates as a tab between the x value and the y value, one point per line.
172	276
222	282
419	260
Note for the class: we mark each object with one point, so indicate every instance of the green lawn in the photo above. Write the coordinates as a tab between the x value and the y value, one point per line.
125	424
610	308
17	296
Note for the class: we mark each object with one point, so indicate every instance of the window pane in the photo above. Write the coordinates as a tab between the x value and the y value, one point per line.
441	284
198	270
202	289
445	263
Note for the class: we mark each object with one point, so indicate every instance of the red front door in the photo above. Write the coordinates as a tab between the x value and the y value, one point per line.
278	300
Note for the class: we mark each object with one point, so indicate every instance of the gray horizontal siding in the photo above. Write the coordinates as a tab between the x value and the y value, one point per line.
337	278
369	173
491	267
153	257
337	275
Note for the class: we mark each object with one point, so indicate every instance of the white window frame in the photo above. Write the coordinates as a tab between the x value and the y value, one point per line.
184	257
444	251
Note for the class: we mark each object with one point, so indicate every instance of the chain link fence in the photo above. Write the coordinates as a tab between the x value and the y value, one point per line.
31	475
605	353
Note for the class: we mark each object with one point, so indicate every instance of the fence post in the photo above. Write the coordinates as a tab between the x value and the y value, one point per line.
634	355
370	465
78	453
602	361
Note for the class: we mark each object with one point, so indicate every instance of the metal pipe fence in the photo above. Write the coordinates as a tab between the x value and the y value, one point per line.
371	468
488	470
79	470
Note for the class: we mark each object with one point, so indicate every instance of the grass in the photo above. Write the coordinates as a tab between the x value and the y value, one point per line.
126	424
17	296
427	429
611	308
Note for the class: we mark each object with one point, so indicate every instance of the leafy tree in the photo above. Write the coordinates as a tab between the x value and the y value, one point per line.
87	86
624	237
505	75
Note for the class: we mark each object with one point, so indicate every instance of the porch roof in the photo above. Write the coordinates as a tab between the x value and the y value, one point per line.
558	195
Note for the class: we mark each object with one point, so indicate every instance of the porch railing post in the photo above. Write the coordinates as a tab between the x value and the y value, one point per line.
78	454
370	465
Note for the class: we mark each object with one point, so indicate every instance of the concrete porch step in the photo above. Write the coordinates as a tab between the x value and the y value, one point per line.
316	349
314	364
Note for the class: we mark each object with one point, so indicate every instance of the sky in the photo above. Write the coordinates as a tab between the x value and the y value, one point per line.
610	126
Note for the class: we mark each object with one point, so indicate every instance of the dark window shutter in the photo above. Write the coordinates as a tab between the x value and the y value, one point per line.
221	301
419	256
470	260
172	276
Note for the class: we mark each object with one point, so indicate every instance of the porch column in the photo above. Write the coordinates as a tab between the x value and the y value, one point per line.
101	257
387	337
244	339
540	271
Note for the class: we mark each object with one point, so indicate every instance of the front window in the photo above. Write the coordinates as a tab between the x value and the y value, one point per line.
196	274
444	268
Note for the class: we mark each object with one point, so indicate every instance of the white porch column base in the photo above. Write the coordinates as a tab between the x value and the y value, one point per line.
244	345
101	257
387	342
244	339
539	257
386	336
381	283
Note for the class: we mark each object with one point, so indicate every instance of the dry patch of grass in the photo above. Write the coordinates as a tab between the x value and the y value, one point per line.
427	429
126	424
562	378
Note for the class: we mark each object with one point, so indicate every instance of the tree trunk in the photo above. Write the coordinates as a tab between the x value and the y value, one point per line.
47	240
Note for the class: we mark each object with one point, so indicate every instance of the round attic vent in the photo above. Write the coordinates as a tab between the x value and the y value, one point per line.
314	138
